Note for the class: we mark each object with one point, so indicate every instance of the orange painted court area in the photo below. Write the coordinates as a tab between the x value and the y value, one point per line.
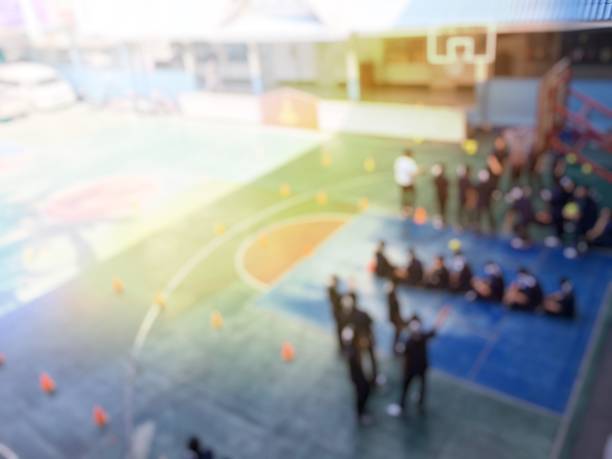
273	252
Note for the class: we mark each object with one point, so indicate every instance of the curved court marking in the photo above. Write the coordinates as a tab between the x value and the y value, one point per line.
191	263
239	256
7	453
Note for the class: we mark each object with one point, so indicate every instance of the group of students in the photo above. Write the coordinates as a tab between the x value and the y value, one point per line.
524	293
572	213
356	342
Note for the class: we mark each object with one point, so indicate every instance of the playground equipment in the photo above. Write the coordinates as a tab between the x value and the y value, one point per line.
571	131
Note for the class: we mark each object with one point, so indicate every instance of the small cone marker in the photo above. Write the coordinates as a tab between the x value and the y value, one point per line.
118	286
326	159
321	198
418	140
47	384
454	245
285	190
470	146
587	168
216	320
369	165
219	229
363	204
287	352
420	216
160	300
100	417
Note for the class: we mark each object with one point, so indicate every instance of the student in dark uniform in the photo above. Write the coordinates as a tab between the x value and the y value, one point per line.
195	450
589	213
357	374
437	277
524	215
491	286
500	150
465	194
561	194
361	323
484	206
525	293
601	234
395	315
384	268
413	273
460	273
416	363
563	302
441	185
335	299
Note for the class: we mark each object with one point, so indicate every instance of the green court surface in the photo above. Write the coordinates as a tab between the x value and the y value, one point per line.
168	368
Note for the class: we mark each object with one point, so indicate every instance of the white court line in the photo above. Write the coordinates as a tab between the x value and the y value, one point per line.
7	453
251	280
586	364
195	260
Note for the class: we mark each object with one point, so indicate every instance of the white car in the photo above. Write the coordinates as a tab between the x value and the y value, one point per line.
39	86
12	107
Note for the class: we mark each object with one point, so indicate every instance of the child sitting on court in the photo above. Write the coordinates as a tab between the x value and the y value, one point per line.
525	293
383	268
563	302
491	286
412	274
460	273
438	276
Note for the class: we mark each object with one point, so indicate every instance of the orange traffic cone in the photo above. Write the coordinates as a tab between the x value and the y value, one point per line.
287	352
47	384
420	216
100	417
118	286
160	300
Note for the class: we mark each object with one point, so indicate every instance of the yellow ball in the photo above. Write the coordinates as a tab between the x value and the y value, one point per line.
326	159
418	140
363	203
321	198
470	146
587	168
571	211
454	245
219	229
369	165
571	158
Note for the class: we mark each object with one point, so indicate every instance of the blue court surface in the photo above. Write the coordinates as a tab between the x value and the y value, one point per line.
529	357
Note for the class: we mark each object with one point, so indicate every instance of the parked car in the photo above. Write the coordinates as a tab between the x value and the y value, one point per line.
39	86
12	107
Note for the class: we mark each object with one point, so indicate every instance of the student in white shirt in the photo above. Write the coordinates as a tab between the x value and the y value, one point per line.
405	171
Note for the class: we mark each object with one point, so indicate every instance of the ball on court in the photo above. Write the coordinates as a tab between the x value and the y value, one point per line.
363	203
470	146
369	165
219	229
571	211
571	158
326	159
587	169
454	245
